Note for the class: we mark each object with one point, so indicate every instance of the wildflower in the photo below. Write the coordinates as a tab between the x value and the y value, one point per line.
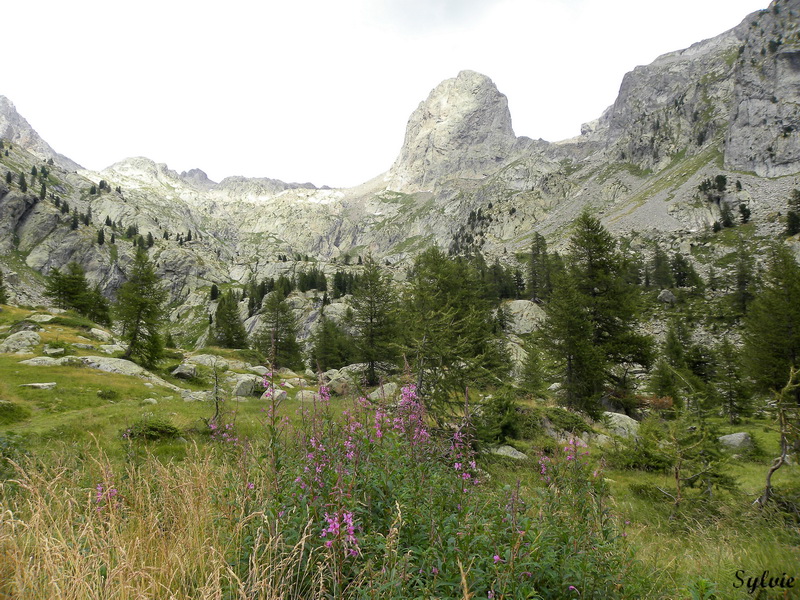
251	485
497	559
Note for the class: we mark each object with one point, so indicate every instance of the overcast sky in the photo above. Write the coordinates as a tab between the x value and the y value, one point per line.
317	90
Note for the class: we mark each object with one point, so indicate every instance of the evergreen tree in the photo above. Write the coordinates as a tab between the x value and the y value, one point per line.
101	237
744	286
568	335
729	382
793	214
448	332
683	272
43	192
229	332
726	215
591	318
532	377
661	271
374	306
140	312
150	240
772	325
214	292
74	222
3	292
277	337
23	185
97	307
9	177
331	347
539	271
68	289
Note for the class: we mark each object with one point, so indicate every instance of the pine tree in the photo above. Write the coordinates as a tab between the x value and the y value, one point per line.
229	331
331	347
277	337
3	292
448	332
730	384
150	240
591	318
539	271
661	272
374	306
9	177
793	214
214	292
101	237
532	376
140	312
68	289
745	283
97	307
772	325
23	185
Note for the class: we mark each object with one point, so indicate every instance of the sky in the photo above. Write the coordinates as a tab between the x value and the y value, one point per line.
317	90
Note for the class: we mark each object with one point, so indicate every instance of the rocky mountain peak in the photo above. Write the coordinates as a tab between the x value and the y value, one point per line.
198	178
15	129
463	129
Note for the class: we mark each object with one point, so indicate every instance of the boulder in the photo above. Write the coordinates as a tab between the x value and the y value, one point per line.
621	425
259	370
185	371
667	297
340	385
101	335
286	373
305	396
525	316
149	401
209	360
280	395
22	342
40	318
386	391
50	351
736	441
111	348
246	385
40	386
41	361
508	452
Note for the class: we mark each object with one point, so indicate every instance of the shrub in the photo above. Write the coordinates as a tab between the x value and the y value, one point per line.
11	412
151	428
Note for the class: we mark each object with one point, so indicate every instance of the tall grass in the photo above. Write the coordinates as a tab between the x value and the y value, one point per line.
369	505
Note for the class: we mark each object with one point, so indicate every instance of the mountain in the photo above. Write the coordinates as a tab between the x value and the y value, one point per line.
724	110
16	130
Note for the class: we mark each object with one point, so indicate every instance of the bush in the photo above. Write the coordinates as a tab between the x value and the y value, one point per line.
151	428
10	412
108	394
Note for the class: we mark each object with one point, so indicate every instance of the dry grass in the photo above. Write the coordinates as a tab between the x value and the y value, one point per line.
165	535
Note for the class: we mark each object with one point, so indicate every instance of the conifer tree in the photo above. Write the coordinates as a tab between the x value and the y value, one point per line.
730	384
277	336
98	308
68	289
661	272
331	347
101	237
229	332
214	292
539	271
140	312
23	185
772	325
3	292
448	332
591	318
374	320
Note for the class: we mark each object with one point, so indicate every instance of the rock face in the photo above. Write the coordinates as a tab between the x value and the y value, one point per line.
15	129
463	129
